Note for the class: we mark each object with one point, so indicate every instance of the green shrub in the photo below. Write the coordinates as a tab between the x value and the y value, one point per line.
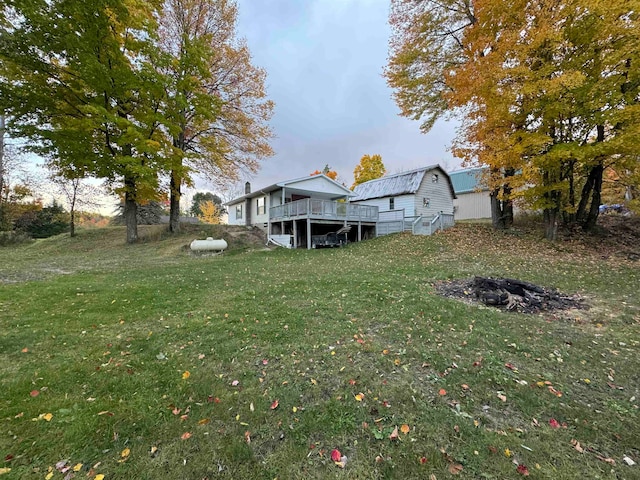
49	221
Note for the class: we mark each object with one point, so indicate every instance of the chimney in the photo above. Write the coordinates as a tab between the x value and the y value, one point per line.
247	188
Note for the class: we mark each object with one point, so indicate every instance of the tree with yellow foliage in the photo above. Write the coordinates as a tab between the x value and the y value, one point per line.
548	90
210	212
369	168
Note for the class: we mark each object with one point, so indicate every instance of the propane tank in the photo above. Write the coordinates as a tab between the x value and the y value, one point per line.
208	245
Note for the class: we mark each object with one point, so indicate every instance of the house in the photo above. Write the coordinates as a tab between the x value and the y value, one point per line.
473	200
293	212
408	199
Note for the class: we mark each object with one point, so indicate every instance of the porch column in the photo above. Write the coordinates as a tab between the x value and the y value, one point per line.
308	233
295	234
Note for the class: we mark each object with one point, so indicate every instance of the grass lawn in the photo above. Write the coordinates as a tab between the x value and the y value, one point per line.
123	362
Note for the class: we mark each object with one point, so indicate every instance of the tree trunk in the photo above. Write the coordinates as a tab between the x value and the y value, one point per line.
130	209
2	127
176	182
502	210
596	198
497	217
551	223
174	202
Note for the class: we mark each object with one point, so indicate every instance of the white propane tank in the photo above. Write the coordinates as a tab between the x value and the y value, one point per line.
208	245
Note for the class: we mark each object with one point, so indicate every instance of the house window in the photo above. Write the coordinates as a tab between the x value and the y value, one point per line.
392	203
260	204
239	212
434	178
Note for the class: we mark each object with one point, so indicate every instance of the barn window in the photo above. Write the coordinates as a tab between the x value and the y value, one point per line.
434	178
392	203
426	202
239	211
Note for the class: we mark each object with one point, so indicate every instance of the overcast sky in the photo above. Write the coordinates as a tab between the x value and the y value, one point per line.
324	61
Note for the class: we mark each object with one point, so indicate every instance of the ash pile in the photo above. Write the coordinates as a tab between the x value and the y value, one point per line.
509	294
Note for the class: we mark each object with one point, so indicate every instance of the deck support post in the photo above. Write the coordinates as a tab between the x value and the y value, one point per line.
359	231
308	234
295	234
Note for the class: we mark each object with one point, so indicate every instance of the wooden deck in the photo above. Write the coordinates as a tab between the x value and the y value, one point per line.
314	209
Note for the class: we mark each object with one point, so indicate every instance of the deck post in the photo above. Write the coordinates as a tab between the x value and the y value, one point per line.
359	231
281	228
295	234
308	233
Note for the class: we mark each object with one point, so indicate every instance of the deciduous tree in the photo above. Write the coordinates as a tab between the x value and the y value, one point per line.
81	87
550	91
217	105
210	212
369	168
332	174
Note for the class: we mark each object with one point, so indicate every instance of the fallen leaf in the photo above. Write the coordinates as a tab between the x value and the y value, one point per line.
49	476
394	434
247	437
186	375
336	455
342	462
502	397
47	416
576	445
203	421
34	393
153	451
185	436
397	362
4	470
294	409
405	429
511	366
423	460
352	382
106	412
554	423
507	452
265	361
201	356
99	477
235	383
385	352
465	386
251	407
442	392
455	468
314	381
610	461
274	405
359	397
523	470
24	350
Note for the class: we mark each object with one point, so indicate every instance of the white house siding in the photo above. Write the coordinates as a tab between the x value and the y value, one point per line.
439	195
472	205
399	202
317	183
232	215
260	220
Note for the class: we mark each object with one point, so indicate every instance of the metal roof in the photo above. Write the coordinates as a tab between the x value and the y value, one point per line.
394	185
262	191
470	180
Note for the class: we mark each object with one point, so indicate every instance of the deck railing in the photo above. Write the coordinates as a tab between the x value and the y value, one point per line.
323	209
440	221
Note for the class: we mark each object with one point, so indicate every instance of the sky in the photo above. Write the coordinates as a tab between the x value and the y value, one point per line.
324	61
